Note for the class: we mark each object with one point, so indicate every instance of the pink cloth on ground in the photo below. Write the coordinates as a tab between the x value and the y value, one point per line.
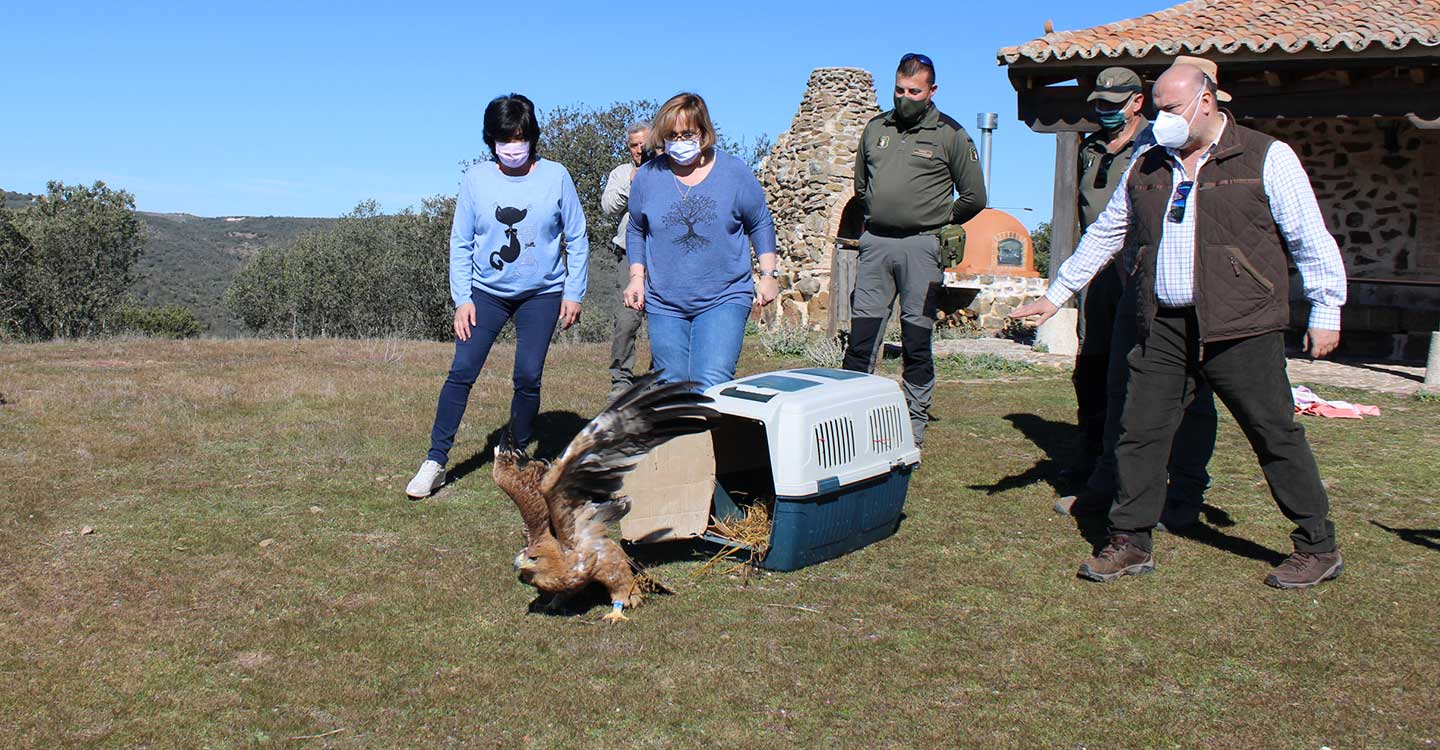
1306	402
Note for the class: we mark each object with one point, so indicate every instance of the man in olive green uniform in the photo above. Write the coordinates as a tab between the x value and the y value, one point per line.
1107	327
1117	101
911	164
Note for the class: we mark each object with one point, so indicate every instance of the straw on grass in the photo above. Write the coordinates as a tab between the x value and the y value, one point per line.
752	532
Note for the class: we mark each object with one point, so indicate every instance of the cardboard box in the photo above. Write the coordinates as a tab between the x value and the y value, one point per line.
670	491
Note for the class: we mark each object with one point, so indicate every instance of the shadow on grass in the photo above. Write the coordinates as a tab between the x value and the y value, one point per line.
592	596
1211	536
553	431
1217	516
1054	438
1428	538
1095	529
1388	371
652	555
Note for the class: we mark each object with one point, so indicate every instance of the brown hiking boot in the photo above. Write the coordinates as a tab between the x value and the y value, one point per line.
1301	570
1121	557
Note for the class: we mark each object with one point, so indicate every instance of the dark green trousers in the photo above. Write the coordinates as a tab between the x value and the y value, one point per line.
1249	377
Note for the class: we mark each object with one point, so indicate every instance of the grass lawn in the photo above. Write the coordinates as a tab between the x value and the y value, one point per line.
205	544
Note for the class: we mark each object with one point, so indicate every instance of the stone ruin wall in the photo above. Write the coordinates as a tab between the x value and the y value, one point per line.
808	180
1375	181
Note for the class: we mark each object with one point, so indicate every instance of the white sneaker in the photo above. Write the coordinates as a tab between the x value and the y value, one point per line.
430	478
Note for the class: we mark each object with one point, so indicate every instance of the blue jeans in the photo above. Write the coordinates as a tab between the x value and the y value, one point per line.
704	348
535	319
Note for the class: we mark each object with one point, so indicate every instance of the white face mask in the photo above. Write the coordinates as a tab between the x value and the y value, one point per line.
682	152
1172	130
513	155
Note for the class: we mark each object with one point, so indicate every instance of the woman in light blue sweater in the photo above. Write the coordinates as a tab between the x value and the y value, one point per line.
506	264
694	214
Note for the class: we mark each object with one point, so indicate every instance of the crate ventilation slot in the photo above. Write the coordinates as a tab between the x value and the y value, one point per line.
835	442
886	428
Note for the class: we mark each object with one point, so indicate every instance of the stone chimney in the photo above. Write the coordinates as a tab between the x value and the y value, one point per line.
809	182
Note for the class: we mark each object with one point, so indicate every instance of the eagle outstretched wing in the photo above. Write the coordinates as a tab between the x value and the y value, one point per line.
594	465
519	477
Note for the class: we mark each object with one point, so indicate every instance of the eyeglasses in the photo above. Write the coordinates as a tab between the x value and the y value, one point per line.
687	135
916	56
1177	204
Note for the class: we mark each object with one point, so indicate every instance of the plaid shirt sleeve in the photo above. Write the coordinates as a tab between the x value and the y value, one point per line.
1292	203
1102	241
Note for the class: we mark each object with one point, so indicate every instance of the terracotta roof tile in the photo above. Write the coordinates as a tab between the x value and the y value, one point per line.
1226	26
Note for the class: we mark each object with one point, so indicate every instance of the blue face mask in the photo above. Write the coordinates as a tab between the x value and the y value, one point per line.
1112	121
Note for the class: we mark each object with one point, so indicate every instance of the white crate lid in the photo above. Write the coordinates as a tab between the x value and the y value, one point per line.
825	428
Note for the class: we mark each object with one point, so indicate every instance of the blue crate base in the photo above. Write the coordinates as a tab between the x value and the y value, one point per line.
811	530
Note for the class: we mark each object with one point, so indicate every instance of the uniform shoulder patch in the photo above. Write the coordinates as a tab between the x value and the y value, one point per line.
883	142
948	120
974	155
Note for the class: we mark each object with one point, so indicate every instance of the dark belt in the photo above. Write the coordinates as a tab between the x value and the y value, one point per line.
896	233
1175	312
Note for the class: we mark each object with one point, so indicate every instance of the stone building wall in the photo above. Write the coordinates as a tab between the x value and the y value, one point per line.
1375	182
809	180
1368	176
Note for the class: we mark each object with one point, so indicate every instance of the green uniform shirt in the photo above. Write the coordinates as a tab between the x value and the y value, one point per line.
909	178
1100	171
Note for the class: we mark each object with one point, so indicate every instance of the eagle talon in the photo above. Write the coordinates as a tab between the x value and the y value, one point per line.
616	614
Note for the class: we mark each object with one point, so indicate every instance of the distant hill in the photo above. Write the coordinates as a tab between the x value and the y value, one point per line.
17	200
190	260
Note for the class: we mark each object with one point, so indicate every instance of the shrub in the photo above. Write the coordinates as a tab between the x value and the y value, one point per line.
370	275
66	261
170	321
826	353
975	366
784	340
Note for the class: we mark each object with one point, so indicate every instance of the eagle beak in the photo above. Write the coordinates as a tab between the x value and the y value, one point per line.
523	562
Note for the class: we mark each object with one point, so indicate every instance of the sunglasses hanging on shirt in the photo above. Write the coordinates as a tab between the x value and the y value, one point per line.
1177	204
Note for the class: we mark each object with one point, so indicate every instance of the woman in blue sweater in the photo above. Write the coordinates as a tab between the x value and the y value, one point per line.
694	214
506	264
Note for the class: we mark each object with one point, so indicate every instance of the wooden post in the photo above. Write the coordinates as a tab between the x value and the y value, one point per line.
1432	365
1065	211
842	283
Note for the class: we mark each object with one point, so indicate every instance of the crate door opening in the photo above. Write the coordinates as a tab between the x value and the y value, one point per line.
744	507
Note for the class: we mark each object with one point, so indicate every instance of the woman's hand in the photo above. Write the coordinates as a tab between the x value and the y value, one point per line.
635	292
766	290
464	320
569	313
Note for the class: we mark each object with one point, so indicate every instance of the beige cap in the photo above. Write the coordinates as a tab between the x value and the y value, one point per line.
1209	68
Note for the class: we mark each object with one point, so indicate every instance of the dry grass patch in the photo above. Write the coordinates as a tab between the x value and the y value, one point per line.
399	622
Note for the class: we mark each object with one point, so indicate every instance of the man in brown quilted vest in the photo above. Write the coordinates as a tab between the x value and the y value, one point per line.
1214	214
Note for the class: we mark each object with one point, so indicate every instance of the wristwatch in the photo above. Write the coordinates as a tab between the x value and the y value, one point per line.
773	273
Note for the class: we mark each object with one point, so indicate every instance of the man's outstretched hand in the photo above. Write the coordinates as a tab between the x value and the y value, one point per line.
1320	342
1042	307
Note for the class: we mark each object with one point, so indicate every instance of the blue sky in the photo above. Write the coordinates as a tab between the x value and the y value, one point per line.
306	109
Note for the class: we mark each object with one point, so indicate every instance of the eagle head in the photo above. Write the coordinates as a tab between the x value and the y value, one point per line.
540	560
525	565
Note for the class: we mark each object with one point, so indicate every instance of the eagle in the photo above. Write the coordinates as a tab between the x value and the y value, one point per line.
568	506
